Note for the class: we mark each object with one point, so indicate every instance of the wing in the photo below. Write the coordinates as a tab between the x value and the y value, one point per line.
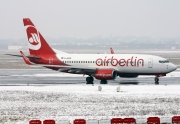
72	69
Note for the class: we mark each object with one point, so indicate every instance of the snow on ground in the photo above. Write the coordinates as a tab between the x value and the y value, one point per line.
19	104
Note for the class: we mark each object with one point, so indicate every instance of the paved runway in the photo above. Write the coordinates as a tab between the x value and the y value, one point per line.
44	76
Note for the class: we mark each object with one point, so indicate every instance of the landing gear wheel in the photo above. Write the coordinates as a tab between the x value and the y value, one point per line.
156	80
103	82
89	80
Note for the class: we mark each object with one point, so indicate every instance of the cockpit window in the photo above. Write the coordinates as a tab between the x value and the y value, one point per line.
163	61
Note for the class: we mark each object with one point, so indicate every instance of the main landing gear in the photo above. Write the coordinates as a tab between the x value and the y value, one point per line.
156	80
89	80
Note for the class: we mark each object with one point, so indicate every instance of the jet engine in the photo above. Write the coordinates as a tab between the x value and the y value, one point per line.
105	74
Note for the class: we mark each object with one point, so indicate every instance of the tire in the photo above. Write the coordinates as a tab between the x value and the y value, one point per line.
89	80
92	79
156	80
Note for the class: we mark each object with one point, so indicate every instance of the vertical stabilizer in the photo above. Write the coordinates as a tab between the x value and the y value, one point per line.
37	44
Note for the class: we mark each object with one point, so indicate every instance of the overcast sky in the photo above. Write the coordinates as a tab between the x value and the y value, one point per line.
91	18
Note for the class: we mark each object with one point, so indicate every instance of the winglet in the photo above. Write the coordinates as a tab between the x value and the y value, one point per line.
26	60
112	51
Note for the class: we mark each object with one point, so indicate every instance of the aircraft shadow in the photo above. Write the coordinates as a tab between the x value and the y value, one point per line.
127	82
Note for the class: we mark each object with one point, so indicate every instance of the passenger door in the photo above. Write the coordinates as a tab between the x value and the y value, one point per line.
150	63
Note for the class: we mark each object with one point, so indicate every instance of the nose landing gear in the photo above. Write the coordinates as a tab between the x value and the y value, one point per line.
156	80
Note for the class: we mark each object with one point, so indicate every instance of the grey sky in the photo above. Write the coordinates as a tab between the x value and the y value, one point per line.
90	18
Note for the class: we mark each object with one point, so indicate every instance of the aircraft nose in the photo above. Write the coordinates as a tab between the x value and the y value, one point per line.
173	67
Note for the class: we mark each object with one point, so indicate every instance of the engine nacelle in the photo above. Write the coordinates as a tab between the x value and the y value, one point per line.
124	75
105	74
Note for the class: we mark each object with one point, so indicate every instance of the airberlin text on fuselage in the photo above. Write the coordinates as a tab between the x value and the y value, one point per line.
133	61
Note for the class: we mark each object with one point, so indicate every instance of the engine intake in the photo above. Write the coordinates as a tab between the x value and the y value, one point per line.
106	74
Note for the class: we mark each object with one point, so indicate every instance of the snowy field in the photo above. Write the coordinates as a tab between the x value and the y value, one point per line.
19	104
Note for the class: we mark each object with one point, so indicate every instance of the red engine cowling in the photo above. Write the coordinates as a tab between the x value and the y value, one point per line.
106	74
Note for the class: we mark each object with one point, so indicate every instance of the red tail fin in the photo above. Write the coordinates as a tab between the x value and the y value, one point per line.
37	44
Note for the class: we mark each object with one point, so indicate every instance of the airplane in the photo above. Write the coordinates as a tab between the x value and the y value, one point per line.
103	67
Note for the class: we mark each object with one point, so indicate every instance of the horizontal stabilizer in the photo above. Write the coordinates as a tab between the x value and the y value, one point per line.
32	57
26	60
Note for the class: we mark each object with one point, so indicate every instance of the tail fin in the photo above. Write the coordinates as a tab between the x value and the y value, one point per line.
37	44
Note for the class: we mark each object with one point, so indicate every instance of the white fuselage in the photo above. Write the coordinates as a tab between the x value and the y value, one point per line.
123	63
